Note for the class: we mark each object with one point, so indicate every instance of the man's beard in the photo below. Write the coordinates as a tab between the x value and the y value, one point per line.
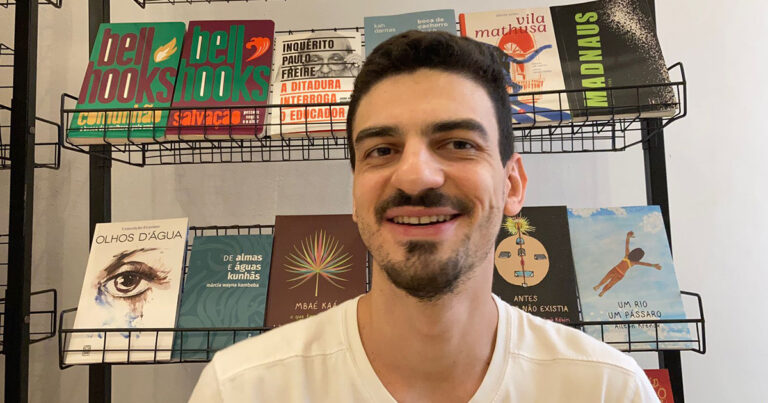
420	274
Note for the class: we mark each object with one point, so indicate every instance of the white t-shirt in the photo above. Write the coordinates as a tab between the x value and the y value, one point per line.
321	359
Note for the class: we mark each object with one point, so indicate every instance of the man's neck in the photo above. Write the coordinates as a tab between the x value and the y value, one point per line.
429	351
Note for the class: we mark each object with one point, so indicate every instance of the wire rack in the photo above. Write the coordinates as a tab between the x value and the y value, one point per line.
47	144
616	128
144	3
55	3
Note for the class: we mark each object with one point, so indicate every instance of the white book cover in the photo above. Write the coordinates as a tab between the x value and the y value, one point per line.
132	281
314	68
527	36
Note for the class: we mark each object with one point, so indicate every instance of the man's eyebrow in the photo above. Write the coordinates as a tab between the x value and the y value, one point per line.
377	131
471	125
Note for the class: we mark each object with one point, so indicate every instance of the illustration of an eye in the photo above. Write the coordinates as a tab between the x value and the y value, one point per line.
126	284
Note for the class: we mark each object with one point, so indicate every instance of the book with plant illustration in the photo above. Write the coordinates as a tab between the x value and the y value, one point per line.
534	266
318	261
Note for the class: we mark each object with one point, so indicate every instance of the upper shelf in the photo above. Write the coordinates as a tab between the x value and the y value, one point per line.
143	3
616	128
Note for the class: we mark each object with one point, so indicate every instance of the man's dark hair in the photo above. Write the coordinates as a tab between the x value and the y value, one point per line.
413	50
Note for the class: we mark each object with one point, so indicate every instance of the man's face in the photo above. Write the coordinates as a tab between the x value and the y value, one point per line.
429	187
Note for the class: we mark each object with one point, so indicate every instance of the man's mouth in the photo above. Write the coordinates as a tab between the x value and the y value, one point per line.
422	220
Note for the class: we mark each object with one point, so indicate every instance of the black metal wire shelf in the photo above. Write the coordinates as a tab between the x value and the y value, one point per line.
42	321
181	353
144	3
47	144
616	128
55	3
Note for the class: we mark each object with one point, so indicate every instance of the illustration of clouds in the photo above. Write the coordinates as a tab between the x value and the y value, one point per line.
653	222
584	212
618	211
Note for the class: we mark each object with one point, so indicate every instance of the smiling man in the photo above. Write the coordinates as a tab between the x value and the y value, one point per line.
434	173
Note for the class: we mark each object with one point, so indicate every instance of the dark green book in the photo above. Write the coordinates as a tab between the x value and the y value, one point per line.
225	287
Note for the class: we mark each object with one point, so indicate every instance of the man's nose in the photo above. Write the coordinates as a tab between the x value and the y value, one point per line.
418	169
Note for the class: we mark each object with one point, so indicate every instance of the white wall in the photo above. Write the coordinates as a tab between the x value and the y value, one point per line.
714	167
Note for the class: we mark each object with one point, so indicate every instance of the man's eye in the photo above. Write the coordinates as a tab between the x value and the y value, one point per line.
461	145
380	152
126	284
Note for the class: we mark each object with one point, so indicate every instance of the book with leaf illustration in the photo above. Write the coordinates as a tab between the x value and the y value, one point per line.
132	66
534	266
225	286
225	71
318	261
625	272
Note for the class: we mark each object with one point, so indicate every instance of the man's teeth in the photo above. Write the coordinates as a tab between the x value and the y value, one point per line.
421	220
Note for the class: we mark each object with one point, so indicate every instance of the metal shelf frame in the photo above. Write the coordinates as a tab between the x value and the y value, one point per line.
54	3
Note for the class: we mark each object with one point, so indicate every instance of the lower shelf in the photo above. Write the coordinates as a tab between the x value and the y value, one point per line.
42	321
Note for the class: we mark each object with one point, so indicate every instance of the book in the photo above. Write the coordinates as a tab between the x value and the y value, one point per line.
661	384
624	272
605	44
527	36
380	28
132	281
319	261
314	72
533	264
225	286
223	77
132	67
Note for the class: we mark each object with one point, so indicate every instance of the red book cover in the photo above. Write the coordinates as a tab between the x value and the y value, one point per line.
661	384
223	64
318	262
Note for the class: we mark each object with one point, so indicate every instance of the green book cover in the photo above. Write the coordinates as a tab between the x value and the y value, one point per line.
226	286
132	66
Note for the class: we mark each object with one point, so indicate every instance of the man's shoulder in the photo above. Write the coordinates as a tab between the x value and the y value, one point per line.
317	336
542	340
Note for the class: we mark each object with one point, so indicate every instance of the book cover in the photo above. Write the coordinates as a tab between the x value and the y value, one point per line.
225	286
527	36
661	384
313	73
380	28
132	66
132	281
624	271
224	71
612	43
534	266
319	261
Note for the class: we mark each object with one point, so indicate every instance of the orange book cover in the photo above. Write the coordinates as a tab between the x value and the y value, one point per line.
661	384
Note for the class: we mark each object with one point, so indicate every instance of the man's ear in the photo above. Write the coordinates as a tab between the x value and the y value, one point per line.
517	181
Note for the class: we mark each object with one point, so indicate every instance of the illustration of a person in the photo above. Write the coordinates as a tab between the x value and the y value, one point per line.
617	273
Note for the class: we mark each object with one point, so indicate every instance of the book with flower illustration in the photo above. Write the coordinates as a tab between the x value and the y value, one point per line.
314	72
132	66
534	266
132	281
225	286
223	77
380	28
624	272
318	261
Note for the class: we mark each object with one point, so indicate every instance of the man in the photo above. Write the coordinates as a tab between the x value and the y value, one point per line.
434	172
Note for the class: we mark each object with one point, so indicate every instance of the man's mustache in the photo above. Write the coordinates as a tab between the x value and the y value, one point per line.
428	198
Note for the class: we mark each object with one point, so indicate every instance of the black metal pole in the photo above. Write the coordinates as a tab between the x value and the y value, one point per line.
100	197
656	193
17	304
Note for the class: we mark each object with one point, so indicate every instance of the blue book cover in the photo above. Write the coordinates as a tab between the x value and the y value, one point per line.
226	286
380	28
624	271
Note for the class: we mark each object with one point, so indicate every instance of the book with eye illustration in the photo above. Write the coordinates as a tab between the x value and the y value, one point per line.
224	71
380	28
313	73
132	66
132	281
225	286
624	272
534	266
318	262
